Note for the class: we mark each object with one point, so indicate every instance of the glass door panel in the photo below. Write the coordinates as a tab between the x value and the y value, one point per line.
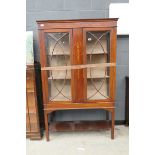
58	54
98	51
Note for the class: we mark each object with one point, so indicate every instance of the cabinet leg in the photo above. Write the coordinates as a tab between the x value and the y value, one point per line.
107	115
46	126
112	124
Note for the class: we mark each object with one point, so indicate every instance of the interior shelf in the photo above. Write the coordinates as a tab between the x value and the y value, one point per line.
69	78
68	54
55	54
97	53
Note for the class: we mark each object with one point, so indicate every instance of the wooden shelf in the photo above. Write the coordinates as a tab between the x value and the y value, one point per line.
97	53
68	78
68	54
61	54
59	78
98	77
79	126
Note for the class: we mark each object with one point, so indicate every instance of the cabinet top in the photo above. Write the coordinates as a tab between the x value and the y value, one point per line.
77	20
77	23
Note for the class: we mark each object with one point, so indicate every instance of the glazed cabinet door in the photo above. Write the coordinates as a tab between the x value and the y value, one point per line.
100	48
78	46
57	52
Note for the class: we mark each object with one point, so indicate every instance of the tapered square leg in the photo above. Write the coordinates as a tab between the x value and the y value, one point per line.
112	124
46	126
107	115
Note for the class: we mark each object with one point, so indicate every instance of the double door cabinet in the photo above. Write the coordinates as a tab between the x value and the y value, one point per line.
78	65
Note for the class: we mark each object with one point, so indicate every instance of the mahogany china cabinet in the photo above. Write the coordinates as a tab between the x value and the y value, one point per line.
78	65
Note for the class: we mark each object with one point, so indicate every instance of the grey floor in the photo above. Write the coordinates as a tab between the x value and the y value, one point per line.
82	143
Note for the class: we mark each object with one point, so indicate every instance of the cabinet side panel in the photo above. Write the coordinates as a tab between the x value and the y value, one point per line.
43	64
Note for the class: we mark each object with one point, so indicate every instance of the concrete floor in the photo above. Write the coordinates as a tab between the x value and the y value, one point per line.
82	143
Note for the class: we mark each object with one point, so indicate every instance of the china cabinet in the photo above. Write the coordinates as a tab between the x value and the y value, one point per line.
78	65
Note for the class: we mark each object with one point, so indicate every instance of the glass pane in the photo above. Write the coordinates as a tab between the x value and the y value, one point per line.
57	49
58	54
98	51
